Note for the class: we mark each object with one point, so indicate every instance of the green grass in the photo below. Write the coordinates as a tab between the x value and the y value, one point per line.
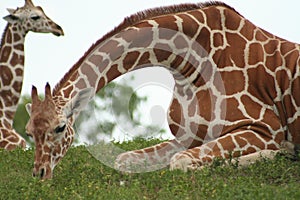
80	176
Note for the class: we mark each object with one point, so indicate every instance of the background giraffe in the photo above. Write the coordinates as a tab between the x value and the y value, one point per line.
20	22
236	87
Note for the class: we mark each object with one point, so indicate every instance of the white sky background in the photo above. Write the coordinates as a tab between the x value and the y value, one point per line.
48	58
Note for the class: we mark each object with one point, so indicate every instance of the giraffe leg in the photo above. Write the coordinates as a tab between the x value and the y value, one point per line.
245	146
10	140
148	159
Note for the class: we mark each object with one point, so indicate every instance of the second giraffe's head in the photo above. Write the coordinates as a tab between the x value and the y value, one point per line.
32	18
50	126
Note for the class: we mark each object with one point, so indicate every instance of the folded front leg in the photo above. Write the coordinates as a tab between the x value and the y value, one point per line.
148	159
246	145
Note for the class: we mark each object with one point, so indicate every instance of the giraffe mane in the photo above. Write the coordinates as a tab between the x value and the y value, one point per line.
134	19
3	36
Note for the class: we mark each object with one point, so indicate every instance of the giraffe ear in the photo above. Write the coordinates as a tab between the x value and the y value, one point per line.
78	102
11	18
11	10
28	108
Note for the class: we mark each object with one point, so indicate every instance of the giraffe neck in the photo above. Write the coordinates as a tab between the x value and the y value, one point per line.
151	42
11	64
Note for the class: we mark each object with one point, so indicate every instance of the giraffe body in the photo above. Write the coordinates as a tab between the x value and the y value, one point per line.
20	22
236	87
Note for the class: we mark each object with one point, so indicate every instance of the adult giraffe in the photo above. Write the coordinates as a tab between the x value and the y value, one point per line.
236	87
20	22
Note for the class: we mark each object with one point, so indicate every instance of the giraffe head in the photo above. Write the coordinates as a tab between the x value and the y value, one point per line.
50	126
33	18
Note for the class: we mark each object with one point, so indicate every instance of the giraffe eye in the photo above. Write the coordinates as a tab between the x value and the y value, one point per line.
35	17
60	129
28	135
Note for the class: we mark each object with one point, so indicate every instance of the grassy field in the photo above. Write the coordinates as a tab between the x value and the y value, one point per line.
80	176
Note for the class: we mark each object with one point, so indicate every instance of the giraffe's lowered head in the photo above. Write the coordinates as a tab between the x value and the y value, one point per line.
33	18
50	126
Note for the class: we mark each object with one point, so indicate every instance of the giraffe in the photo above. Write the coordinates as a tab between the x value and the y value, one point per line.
20	22
235	94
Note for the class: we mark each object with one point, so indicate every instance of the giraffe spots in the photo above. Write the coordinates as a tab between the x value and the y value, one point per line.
200	130
112	73
167	22
249	150
241	141
274	61
248	30
144	24
233	54
233	82
271	119
5	133
162	52
260	36
3	144
17	59
283	80
232	20
101	83
45	158
281	136
261	85
190	26
204	75
19	72
67	91
218	40
17	85
180	42
177	61
294	128
230	109
90	73
252	139
177	131
295	91
144	60
6	75
175	112
5	54
130	59
17	37
287	47
289	109
19	47
256	54
95	59
202	39
214	20
187	70
291	59
206	104
198	14
271	46
141	37
81	83
113	48
252	108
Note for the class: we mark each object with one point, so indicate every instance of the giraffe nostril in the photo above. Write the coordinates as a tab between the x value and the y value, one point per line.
42	172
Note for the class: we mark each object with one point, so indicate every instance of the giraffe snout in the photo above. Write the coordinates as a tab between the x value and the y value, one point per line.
56	29
42	173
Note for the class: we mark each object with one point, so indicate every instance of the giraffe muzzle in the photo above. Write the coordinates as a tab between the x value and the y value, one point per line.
42	173
58	31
